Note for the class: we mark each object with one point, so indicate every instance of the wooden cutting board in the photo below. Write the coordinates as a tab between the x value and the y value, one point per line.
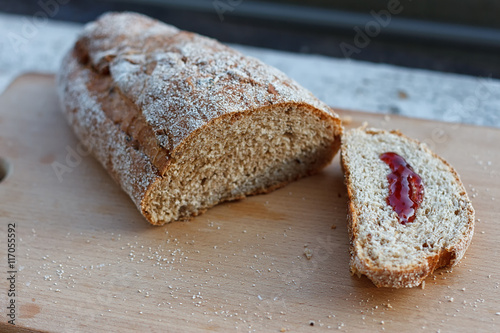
87	261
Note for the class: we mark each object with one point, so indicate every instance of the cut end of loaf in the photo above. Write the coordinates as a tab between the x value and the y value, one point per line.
242	154
392	254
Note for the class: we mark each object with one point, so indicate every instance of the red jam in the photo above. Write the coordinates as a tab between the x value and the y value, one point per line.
406	189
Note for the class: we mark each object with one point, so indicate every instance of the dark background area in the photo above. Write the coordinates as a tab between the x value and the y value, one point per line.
449	35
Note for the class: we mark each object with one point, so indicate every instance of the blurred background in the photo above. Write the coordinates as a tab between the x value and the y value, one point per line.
455	36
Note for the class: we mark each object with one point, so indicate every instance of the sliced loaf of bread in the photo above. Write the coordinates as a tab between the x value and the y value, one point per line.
183	122
392	249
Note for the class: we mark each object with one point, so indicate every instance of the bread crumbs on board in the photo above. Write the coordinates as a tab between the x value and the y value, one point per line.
308	253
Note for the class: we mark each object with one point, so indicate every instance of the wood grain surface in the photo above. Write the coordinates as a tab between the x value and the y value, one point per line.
87	261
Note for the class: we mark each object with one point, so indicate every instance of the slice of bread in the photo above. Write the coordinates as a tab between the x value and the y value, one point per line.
389	252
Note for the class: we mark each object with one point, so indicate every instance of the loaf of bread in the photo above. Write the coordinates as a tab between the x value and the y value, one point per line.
391	248
183	122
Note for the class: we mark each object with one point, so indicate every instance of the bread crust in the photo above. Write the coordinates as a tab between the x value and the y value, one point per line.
137	91
414	275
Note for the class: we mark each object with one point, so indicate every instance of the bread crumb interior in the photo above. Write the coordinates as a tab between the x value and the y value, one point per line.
241	154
